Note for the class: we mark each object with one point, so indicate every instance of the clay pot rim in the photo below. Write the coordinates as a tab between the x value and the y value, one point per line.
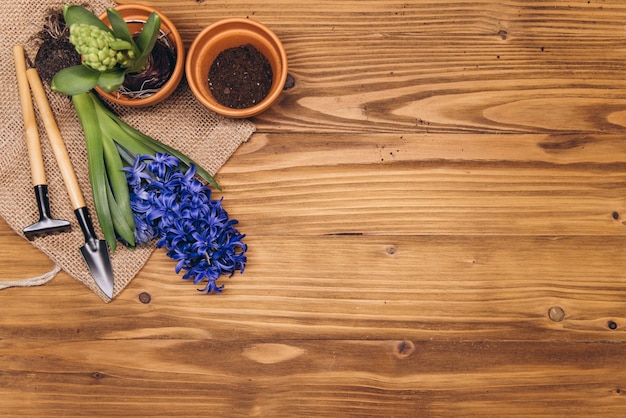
170	86
221	28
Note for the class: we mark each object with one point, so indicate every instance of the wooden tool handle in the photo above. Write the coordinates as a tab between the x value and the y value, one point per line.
33	145
54	135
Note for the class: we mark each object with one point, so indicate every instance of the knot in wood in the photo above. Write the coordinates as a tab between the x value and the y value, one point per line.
404	349
144	297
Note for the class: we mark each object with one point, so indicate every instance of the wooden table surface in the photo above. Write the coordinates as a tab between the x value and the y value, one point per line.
435	215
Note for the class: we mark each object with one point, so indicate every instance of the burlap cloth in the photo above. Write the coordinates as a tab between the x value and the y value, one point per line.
180	121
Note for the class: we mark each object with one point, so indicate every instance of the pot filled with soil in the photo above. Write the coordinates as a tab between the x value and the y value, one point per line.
165	66
236	67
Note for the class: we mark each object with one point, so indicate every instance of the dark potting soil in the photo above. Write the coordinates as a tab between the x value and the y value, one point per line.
53	55
158	70
55	50
240	77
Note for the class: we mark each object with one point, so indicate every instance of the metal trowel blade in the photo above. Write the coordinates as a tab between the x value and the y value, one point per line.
96	255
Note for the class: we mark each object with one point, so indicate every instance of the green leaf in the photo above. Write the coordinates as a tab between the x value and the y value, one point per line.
120	45
75	80
78	14
149	32
119	188
146	40
127	156
110	80
120	28
95	159
160	147
138	143
125	230
111	128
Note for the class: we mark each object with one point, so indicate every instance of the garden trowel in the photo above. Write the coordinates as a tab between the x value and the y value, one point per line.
95	251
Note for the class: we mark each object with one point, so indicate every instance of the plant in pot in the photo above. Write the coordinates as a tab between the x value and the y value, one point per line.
132	55
236	67
143	190
109	56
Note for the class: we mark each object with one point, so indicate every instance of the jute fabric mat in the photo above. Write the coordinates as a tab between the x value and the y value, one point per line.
180	122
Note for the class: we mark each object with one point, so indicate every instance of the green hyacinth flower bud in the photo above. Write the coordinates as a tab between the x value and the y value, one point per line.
100	49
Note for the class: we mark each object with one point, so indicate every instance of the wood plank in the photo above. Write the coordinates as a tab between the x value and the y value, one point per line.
402	287
461	83
18	258
439	17
312	378
428	184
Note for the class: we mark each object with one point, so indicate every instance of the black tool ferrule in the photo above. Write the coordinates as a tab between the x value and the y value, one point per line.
43	201
84	220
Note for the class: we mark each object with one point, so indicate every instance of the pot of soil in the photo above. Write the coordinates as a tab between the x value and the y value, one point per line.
165	67
236	67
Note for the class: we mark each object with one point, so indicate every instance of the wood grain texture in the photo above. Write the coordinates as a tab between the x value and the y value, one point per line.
321	379
435	215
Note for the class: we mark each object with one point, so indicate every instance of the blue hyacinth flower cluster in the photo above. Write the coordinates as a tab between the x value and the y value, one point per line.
176	209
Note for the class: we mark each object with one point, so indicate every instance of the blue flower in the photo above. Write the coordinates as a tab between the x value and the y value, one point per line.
177	210
144	233
162	165
136	174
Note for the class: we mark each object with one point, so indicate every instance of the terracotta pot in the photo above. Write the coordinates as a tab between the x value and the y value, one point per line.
230	33
135	15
